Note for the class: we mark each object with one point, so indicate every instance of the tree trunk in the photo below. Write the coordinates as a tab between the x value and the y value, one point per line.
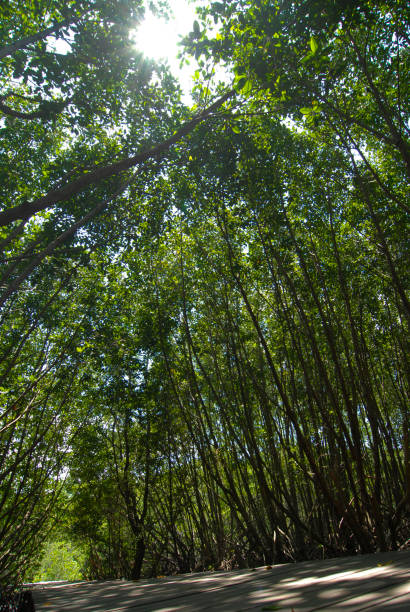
138	559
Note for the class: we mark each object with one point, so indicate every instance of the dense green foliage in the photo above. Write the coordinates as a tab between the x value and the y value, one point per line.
204	312
61	561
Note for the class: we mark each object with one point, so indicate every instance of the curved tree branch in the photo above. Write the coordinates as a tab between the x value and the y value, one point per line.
28	40
12	288
61	194
45	110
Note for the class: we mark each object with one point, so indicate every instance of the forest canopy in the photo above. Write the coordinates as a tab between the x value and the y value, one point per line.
204	306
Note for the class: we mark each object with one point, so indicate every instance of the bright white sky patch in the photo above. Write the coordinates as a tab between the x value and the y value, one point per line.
158	38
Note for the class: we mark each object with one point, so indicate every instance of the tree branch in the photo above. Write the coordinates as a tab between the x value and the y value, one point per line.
59	240
28	209
28	40
6	110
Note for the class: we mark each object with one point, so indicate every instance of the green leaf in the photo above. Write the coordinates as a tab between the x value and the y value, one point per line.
247	88
240	83
313	45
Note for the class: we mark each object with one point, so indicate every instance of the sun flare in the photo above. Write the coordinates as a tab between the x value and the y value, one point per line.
157	38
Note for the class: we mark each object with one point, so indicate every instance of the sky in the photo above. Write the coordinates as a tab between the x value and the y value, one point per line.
159	38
